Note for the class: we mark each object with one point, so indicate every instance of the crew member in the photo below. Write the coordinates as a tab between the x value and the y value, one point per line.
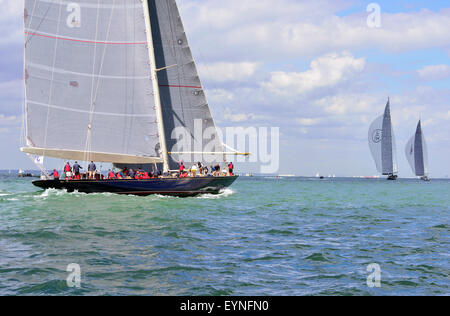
68	172
111	175
194	170
184	174
55	174
76	170
92	170
216	172
231	169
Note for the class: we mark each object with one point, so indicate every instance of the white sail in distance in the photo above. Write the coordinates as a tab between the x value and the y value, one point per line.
89	87
417	153
382	143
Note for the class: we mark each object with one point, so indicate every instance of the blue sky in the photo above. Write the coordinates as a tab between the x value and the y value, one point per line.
313	68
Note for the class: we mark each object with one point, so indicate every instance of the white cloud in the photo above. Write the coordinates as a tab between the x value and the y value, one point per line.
11	21
309	121
344	104
8	123
237	118
447	115
325	71
219	96
435	72
293	29
228	72
11	87
10	9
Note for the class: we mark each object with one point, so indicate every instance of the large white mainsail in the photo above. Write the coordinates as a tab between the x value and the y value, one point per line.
184	105
417	154
89	87
382	143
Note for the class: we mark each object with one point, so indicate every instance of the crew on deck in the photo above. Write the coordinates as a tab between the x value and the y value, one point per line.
76	170
55	174
68	171
111	175
92	170
231	169
198	170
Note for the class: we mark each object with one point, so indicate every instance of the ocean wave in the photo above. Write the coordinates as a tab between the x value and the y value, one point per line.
223	194
55	192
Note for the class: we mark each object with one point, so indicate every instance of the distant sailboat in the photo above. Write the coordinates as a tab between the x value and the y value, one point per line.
417	155
382	144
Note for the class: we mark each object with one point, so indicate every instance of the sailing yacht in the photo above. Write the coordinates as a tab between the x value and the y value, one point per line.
115	81
382	144
417	155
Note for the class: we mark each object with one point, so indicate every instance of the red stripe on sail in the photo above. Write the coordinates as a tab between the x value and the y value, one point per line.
84	41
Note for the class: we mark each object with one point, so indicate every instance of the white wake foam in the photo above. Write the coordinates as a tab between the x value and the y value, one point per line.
223	194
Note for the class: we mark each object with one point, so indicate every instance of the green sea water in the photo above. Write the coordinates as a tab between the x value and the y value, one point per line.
264	236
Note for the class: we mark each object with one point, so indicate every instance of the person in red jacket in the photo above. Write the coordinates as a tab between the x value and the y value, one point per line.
68	171
111	175
231	169
55	174
184	175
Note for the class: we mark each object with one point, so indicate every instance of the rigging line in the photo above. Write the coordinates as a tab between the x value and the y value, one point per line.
102	62
174	49
88	146
28	38
23	124
126	74
208	68
52	81
31	20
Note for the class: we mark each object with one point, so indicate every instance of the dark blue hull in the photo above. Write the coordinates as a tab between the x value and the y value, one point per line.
172	187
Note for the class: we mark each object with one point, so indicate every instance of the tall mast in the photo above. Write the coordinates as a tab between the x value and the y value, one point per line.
154	74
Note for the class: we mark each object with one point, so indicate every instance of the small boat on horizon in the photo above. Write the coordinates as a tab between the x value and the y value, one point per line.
382	144
23	174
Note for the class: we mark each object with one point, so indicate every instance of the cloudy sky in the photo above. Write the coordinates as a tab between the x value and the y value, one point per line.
313	68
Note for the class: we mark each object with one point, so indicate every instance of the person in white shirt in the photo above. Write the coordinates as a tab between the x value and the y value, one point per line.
194	170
